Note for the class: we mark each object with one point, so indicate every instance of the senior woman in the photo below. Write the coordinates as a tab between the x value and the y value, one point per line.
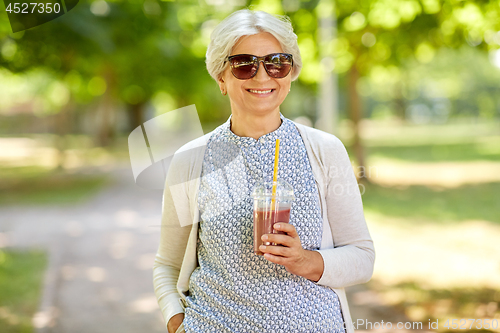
207	277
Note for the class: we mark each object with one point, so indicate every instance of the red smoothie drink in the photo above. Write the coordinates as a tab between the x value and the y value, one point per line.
269	208
263	222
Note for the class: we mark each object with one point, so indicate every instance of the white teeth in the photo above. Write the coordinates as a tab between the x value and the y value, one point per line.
260	91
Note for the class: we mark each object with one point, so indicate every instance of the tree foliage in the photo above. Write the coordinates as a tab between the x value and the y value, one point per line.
136	51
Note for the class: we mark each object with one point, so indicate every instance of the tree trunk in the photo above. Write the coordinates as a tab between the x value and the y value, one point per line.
327	119
136	112
107	110
62	122
400	101
400	106
356	116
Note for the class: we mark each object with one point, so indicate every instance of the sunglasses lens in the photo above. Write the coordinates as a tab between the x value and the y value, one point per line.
244	66
278	65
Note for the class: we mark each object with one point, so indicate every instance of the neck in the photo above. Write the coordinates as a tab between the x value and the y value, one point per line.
246	125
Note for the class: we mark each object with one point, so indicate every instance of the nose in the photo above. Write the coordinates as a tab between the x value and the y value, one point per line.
261	73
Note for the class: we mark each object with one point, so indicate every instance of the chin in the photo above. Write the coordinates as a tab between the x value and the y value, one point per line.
264	110
267	107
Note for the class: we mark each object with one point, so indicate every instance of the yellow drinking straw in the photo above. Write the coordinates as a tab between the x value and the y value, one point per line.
275	174
275	183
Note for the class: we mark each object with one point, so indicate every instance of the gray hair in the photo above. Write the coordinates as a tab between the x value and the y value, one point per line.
246	22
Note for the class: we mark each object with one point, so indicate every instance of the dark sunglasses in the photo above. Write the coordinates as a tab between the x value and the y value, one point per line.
245	66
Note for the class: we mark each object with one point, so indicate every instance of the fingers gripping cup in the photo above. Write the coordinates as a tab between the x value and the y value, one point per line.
265	213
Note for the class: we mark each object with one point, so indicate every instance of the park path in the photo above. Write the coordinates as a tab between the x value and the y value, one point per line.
101	253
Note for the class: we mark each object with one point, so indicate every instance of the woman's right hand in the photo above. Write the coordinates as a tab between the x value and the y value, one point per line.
175	322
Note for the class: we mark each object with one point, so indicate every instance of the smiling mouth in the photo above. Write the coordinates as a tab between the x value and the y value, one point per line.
262	92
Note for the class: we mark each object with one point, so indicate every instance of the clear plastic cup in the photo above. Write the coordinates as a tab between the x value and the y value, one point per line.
264	217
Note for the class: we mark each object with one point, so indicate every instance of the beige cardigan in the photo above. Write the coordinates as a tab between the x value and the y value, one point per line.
346	247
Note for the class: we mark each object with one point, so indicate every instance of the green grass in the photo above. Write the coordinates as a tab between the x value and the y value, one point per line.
467	202
442	304
455	141
396	207
424	144
440	152
38	185
21	278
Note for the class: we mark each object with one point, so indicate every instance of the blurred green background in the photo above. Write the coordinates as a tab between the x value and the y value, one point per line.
418	109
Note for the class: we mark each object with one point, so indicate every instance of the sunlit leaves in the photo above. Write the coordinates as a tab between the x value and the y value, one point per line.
163	102
356	21
97	86
470	15
304	21
324	8
391	32
380	83
446	87
486	105
73	80
453	76
424	53
368	39
389	14
57	96
151	8
8	49
384	15
344	62
431	6
14	88
492	37
291	5
340	46
156	46
133	94
189	17
409	10
380	52
198	47
100	8
270	6
311	71
448	27
342	55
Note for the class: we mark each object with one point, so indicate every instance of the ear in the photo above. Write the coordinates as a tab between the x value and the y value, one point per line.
222	85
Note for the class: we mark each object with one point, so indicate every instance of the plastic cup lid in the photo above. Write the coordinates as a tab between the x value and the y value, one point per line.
265	189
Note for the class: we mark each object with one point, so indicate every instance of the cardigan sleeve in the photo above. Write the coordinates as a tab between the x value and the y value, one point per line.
351	261
176	227
178	216
168	261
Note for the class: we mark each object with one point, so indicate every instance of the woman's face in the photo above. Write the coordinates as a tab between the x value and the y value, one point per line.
243	93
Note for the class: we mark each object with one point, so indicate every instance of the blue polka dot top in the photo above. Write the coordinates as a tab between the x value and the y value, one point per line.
233	289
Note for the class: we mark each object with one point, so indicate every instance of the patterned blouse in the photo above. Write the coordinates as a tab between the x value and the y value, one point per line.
233	289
